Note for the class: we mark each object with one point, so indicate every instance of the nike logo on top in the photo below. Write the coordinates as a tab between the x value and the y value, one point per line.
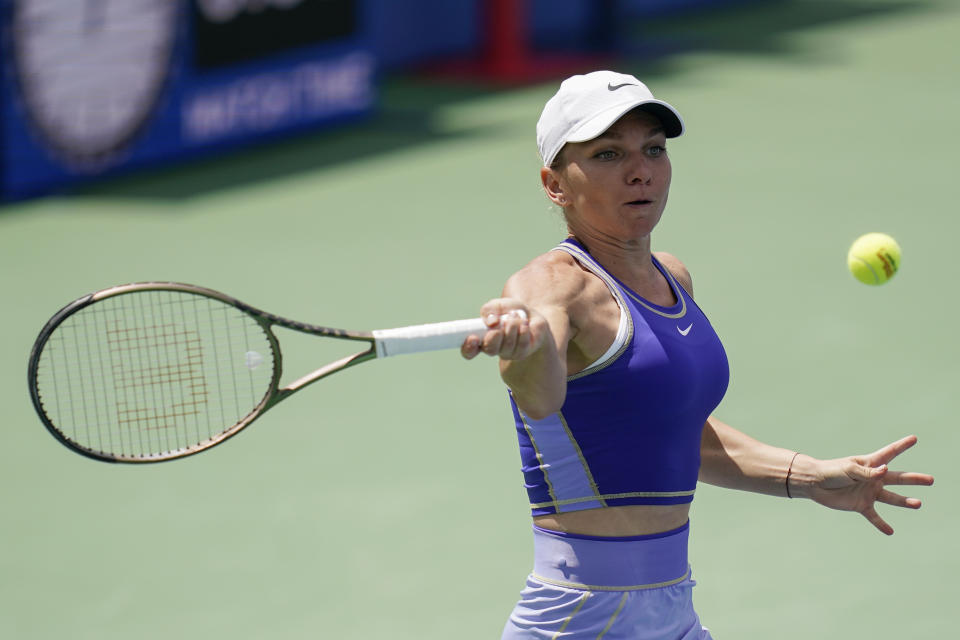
684	332
614	87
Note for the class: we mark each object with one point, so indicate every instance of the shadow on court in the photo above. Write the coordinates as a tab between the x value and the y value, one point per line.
410	104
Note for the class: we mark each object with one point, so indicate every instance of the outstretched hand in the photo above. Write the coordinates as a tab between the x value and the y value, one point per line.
857	483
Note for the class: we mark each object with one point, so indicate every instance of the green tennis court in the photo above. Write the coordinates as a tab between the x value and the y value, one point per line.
386	501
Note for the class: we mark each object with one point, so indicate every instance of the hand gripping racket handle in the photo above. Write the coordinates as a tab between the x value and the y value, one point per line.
429	337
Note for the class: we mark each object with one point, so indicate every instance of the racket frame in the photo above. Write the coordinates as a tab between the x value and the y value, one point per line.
266	321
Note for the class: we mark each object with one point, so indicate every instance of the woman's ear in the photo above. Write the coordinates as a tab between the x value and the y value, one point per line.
553	186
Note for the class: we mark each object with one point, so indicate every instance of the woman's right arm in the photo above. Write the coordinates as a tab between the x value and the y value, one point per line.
533	350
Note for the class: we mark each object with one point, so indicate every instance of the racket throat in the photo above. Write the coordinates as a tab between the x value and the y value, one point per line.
323	372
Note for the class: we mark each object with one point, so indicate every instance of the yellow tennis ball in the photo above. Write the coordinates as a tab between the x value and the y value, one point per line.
874	258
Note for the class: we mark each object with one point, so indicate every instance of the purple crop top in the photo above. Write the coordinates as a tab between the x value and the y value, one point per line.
629	430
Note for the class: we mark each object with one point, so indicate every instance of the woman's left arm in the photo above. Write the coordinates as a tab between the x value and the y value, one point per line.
734	460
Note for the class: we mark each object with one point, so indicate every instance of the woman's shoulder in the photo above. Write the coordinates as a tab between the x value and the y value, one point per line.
555	274
676	268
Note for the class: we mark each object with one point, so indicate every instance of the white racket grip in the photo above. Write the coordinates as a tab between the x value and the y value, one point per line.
428	337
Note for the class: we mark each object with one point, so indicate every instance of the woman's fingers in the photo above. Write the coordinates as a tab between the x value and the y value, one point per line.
891	451
510	326
471	347
908	478
508	334
874	518
897	500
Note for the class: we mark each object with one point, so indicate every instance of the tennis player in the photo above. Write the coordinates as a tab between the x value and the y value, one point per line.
613	372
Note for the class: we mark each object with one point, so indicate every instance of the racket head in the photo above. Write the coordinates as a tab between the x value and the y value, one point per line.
152	371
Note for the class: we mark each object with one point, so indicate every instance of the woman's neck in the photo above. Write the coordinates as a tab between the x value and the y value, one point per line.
630	262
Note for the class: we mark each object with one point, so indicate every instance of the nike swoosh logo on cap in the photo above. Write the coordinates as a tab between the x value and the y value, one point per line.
614	87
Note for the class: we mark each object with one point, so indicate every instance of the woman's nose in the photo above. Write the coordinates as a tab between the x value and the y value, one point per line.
638	171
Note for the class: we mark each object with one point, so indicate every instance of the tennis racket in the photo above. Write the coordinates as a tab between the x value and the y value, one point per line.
159	370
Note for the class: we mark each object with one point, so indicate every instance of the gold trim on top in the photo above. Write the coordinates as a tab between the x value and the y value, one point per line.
677	292
613	496
586	260
546	476
583	459
674	285
536	450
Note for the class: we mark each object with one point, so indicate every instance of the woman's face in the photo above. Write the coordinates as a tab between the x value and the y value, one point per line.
617	184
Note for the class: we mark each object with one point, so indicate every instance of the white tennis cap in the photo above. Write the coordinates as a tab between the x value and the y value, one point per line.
587	105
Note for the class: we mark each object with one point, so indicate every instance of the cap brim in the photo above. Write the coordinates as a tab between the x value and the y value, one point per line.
672	122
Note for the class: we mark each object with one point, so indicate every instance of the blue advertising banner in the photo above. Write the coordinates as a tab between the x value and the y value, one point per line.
95	87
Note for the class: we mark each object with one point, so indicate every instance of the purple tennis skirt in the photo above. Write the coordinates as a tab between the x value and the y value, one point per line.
636	588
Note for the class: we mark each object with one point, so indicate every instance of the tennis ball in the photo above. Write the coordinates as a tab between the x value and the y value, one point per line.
874	258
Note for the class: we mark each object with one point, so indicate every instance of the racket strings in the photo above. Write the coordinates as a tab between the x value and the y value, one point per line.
148	373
